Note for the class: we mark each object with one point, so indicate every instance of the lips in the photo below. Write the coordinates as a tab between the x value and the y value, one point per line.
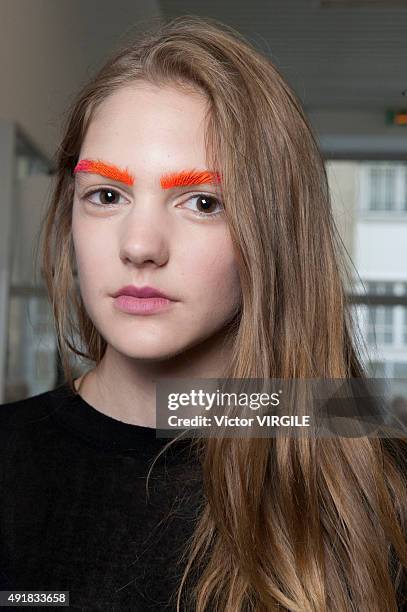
141	292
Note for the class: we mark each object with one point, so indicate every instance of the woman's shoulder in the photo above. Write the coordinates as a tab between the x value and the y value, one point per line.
25	412
27	432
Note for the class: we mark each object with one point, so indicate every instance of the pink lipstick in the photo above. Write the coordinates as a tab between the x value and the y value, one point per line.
141	300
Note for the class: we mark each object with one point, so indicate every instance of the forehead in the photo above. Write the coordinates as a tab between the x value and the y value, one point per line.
148	121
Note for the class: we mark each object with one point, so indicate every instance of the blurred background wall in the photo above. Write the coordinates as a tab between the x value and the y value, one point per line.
48	49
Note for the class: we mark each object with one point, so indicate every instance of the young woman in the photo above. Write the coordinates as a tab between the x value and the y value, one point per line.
188	166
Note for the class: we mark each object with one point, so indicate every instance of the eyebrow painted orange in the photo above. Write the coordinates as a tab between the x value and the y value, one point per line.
184	178
189	177
104	169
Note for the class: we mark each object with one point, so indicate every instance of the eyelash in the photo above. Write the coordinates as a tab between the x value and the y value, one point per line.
197	195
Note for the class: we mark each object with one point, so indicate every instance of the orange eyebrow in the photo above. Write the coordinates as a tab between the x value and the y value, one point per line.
104	169
189	177
167	181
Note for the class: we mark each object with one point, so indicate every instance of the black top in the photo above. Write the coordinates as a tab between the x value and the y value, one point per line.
74	515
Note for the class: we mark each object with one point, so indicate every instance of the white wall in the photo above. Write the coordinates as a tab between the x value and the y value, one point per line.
381	249
343	180
48	48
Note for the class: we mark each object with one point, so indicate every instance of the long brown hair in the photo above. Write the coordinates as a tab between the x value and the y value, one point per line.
288	524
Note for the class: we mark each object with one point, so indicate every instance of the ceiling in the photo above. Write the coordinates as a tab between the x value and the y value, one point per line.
336	54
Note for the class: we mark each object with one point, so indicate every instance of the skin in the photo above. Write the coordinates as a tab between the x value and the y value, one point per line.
151	237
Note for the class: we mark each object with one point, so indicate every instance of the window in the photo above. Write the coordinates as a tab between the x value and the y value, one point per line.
382	188
387	369
385	187
380	319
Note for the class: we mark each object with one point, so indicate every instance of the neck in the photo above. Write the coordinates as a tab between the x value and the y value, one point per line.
124	388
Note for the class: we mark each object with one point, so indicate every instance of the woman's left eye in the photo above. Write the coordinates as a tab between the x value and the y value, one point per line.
206	203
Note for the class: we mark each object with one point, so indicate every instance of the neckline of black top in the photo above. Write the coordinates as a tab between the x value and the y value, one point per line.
102	430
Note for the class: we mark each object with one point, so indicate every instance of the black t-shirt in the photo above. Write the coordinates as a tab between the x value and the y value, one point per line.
74	513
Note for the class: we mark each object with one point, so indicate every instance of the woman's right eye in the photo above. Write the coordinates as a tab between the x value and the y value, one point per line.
106	200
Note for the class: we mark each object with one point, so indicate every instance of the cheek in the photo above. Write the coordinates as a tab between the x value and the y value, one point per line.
212	272
92	255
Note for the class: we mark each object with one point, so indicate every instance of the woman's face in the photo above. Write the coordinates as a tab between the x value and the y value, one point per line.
149	233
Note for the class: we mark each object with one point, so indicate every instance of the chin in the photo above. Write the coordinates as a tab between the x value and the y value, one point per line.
146	349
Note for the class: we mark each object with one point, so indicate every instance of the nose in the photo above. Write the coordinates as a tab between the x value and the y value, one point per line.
144	235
